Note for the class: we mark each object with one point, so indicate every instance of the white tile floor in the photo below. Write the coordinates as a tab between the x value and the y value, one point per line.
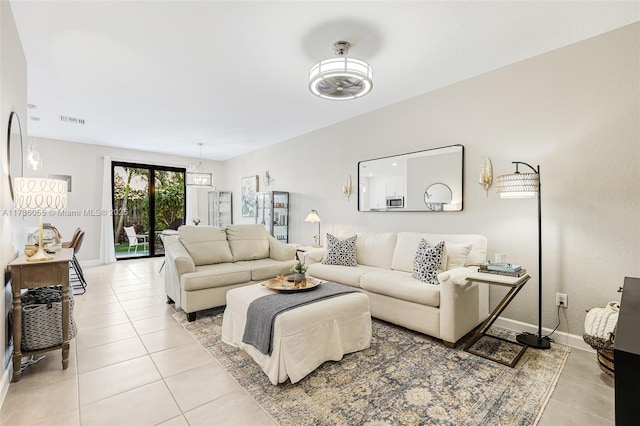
133	364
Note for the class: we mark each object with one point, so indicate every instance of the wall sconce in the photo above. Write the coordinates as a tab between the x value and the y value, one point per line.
267	180
34	162
486	174
346	188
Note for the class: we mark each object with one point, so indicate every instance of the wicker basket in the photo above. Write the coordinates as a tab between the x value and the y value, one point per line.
605	353
42	318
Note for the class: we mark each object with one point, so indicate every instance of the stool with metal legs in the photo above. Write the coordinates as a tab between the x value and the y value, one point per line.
75	265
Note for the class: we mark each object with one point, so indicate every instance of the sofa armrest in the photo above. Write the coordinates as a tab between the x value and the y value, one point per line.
313	256
280	251
178	256
463	305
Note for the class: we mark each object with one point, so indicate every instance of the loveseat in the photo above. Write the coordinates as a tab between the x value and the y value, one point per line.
446	309
204	262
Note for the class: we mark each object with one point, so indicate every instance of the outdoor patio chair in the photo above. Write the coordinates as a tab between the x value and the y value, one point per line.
135	240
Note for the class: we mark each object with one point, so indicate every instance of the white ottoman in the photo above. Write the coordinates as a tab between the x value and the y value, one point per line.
303	337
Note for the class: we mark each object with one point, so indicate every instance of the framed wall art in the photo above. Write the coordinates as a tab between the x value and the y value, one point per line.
249	189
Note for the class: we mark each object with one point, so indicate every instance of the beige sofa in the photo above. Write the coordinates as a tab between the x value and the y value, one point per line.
384	269
204	262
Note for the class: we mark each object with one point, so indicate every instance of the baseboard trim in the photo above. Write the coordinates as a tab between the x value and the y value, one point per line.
5	381
561	337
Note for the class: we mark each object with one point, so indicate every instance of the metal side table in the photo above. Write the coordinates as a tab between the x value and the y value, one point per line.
515	284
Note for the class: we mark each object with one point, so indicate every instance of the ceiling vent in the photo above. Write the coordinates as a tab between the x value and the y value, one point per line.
72	120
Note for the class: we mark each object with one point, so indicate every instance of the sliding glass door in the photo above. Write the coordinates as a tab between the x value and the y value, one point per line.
147	199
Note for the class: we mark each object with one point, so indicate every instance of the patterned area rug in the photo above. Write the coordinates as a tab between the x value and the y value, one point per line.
405	378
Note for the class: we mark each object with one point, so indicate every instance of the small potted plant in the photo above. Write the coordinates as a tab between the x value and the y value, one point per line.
299	270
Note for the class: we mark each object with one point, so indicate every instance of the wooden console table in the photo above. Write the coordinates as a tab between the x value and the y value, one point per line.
515	284
25	275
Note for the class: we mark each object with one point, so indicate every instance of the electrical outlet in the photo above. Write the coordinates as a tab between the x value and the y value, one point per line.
562	300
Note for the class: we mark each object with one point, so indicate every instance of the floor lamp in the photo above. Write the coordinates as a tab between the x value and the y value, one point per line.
527	185
313	217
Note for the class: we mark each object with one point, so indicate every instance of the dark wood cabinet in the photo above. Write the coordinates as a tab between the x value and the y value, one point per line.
627	355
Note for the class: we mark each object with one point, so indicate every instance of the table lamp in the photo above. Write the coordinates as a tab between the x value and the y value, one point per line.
527	185
313	217
39	195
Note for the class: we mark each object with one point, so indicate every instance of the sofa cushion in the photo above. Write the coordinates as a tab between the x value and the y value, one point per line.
455	254
400	285
206	244
217	275
478	253
375	249
279	250
248	242
347	275
340	252
407	244
264	269
428	261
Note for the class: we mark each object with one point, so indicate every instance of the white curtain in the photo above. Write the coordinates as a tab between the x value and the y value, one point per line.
107	247
192	205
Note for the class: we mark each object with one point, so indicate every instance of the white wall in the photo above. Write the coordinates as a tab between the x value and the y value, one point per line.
574	111
85	165
13	97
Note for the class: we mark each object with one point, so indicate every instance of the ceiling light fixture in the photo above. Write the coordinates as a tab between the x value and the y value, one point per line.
195	176
341	78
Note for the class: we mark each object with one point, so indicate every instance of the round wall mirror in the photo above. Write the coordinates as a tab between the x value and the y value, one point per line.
14	149
436	196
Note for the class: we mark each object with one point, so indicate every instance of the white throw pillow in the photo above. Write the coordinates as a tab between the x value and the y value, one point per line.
456	255
340	252
428	261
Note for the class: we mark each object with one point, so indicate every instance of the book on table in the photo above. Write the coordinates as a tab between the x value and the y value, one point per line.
501	267
521	272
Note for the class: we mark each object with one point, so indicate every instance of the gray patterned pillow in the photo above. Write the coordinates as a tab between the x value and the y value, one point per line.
340	252
427	262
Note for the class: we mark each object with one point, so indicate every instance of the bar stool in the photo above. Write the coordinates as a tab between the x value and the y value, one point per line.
75	265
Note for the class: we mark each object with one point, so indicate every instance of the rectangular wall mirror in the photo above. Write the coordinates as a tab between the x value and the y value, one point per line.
423	181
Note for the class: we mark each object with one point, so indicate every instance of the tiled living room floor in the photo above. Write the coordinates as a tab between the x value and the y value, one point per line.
133	364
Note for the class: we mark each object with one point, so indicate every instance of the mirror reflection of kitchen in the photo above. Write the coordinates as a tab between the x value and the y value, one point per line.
400	182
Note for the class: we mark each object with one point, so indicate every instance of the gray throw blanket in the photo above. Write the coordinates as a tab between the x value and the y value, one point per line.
262	312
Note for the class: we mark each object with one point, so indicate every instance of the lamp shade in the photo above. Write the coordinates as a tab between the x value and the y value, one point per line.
518	185
40	194
199	179
312	217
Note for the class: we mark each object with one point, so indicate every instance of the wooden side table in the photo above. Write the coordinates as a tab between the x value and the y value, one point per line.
25	275
515	284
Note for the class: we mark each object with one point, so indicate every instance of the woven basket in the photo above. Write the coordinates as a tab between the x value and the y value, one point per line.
42	322
605	353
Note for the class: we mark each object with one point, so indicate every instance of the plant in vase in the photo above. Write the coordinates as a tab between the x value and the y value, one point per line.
299	270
